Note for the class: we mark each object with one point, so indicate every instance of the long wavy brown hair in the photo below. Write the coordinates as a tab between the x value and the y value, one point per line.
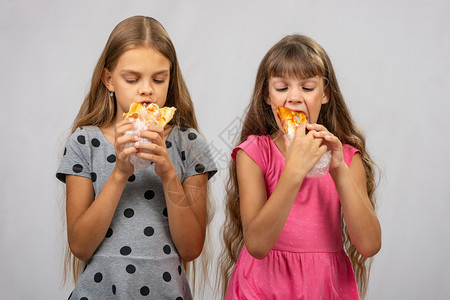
99	108
302	57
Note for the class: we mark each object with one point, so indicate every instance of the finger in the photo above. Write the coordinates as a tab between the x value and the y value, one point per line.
156	128
322	134
301	130
124	139
124	127
323	149
153	137
127	152
143	146
124	122
316	127
151	157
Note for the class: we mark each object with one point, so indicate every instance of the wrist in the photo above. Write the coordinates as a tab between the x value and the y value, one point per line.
169	175
340	170
118	176
295	174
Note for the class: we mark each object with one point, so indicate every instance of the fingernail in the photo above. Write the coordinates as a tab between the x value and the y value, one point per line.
136	144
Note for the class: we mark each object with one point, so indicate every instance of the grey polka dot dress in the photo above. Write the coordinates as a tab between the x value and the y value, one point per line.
137	258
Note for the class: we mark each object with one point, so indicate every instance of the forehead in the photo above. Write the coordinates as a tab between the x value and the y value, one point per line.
296	64
143	59
289	78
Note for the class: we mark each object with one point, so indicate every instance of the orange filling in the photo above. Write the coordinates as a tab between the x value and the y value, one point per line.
290	119
151	114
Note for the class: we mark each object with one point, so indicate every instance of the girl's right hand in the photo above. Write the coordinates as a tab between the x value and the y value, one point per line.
123	164
303	152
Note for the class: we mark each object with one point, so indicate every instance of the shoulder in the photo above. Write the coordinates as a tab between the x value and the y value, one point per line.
82	133
193	150
253	145
185	135
349	152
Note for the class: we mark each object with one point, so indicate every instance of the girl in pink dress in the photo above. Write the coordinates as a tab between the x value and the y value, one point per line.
288	236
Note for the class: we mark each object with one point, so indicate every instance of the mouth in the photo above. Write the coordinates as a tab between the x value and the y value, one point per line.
146	103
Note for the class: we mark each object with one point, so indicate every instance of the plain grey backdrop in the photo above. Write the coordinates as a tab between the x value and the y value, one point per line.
391	59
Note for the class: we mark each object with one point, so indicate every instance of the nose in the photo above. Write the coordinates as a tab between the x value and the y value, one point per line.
294	96
145	88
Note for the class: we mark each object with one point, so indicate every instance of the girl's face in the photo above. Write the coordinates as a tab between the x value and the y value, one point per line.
299	94
141	75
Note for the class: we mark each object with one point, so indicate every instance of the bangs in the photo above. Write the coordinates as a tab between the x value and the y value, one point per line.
295	61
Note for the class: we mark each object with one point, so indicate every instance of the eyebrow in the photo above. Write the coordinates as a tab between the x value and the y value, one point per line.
302	80
126	72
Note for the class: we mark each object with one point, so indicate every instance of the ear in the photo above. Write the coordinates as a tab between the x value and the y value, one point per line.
325	97
107	79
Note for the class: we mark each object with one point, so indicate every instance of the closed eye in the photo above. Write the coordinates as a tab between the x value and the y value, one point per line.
281	89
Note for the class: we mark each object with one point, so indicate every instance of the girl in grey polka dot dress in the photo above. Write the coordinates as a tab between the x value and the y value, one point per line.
134	228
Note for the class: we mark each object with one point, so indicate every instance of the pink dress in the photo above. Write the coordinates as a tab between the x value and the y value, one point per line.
308	260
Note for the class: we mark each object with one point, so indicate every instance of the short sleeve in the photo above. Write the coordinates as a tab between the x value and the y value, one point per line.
255	147
196	154
348	152
76	156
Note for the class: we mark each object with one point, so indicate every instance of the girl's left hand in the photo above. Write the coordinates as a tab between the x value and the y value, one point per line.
332	143
158	151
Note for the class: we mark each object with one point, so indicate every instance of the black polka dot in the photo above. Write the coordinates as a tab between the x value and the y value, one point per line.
132	178
145	291
167	249
84	298
98	277
65	151
165	213
168	144
114	289
94	177
179	270
109	233
111	158
192	136
183	155
77	168
95	142
183	129
149	231
131	269
199	168
81	139
167	277
128	213
179	298
125	250
149	194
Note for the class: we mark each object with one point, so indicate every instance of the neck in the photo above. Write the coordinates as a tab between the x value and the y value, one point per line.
278	139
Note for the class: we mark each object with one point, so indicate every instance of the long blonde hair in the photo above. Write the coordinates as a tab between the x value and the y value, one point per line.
99	108
302	57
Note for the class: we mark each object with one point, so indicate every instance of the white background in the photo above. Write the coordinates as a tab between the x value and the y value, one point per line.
392	60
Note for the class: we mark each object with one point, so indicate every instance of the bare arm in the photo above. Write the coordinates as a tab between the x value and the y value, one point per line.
362	223
186	208
88	220
262	221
